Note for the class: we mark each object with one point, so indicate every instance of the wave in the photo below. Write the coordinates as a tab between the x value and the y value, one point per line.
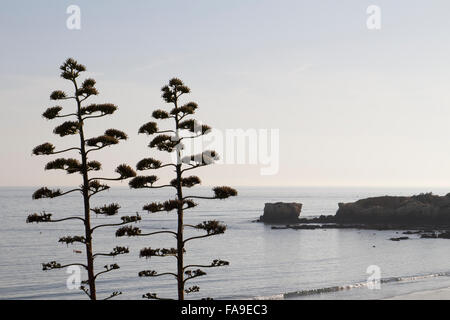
356	285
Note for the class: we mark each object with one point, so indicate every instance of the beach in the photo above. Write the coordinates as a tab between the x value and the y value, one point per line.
438	294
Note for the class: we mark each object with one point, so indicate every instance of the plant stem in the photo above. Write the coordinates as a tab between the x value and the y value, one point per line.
87	217
180	242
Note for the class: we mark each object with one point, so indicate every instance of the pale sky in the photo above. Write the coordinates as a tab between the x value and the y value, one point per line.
354	107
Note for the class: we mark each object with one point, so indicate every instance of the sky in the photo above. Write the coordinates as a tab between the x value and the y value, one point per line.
353	106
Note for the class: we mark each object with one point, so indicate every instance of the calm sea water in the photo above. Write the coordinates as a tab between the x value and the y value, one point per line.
263	262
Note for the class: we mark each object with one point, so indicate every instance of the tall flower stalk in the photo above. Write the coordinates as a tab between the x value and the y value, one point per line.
183	126
90	186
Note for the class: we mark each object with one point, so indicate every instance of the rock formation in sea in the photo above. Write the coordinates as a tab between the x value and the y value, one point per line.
422	209
281	212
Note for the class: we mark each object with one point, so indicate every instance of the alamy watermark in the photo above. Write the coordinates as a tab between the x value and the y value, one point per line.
74	279
374	280
373	21
235	146
73	22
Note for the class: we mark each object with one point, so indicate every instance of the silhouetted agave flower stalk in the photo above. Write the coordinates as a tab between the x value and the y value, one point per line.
171	141
71	70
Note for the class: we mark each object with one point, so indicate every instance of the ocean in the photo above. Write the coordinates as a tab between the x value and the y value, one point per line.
265	263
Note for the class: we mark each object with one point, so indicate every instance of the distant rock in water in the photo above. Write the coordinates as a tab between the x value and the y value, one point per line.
399	238
422	209
281	212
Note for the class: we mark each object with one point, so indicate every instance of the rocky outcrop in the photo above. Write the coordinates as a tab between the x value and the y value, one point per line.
399	238
435	235
423	209
281	212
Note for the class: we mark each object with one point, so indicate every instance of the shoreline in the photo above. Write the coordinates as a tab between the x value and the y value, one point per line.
435	294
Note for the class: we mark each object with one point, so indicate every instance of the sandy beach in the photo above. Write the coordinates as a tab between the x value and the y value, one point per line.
439	294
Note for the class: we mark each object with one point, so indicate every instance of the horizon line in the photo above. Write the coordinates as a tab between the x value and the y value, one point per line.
253	186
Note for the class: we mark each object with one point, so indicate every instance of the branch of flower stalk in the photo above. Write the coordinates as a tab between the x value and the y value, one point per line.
164	131
61	151
66	115
112	295
194	167
99	116
192	277
161	274
108	269
95	192
159	187
74	264
82	288
200	266
95	149
70	191
153	296
104	254
162	166
108	179
66	265
158	232
69	218
214	264
109	225
183	116
164	210
191	137
200	237
199	197
46	217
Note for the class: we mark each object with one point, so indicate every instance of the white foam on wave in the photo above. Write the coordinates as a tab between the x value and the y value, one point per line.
350	286
274	297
